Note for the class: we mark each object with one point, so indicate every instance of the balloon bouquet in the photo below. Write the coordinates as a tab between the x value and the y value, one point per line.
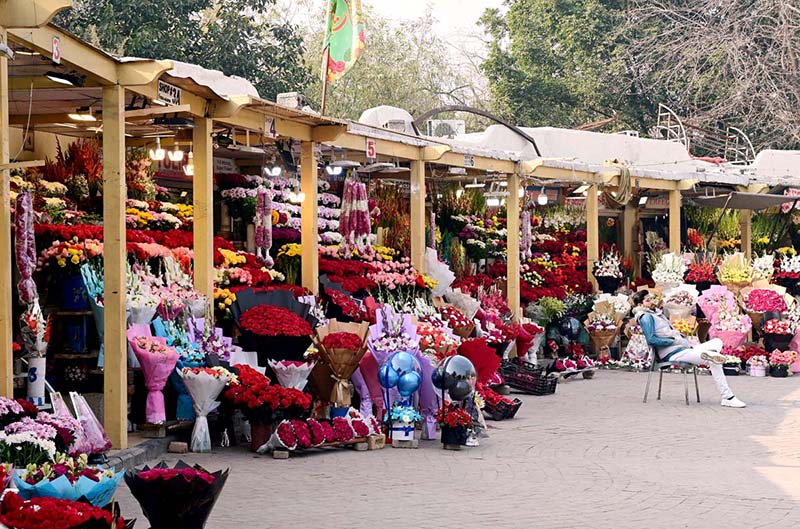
401	371
457	376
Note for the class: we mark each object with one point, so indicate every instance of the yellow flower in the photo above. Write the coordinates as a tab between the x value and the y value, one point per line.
231	258
62	263
75	259
221	306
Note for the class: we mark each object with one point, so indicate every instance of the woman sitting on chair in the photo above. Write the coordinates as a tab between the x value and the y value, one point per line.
671	346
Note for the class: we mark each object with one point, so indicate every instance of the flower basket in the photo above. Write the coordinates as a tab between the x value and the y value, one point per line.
758	371
777	341
779	371
454	436
608	285
402	431
502	409
601	342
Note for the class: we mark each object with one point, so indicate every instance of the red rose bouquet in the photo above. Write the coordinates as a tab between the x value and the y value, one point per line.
437	339
176	497
284	437
342	361
316	432
269	320
52	513
775	326
344	308
343	340
263	403
452	416
343	430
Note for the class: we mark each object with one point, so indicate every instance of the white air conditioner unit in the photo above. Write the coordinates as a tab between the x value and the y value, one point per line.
446	128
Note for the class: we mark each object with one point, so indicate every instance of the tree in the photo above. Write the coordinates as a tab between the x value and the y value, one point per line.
558	63
405	64
722	62
238	37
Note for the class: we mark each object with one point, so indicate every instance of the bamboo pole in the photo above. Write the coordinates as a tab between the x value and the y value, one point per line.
203	202
418	215
309	213
115	391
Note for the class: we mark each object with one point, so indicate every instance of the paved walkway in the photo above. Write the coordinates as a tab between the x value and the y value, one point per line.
591	456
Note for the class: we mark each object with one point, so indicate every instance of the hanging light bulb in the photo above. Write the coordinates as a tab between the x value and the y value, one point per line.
158	153
333	170
521	192
188	169
542	198
175	155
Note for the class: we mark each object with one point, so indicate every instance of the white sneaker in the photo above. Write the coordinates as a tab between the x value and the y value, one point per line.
733	402
713	357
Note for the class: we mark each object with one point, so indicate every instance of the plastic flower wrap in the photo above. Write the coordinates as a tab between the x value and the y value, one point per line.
342	360
157	360
68	479
734	269
204	385
715	298
764	267
730	326
619	302
438	339
669	270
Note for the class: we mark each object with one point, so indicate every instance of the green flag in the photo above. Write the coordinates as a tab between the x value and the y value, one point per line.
345	38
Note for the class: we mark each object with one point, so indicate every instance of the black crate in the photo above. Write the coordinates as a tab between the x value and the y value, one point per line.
532	384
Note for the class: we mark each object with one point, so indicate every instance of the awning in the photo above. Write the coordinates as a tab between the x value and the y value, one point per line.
737	200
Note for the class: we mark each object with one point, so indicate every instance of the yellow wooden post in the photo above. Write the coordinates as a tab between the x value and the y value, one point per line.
309	234
746	226
115	405
592	231
418	215
675	221
203	196
6	303
630	222
512	238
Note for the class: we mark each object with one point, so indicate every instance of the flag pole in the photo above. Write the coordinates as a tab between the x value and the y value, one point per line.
325	60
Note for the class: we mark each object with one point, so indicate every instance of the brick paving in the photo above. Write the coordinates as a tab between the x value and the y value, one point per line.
591	456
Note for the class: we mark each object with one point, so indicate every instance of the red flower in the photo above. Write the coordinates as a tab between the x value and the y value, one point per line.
453	416
269	320
188	474
343	340
342	429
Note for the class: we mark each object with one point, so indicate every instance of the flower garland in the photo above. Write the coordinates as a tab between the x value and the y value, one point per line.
263	222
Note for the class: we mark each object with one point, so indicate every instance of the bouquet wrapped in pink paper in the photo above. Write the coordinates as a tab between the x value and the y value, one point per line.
157	360
730	327
715	297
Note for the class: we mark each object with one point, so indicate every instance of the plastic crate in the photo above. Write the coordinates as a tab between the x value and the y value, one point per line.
532	384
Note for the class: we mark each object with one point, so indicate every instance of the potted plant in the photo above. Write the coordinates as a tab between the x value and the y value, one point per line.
455	423
758	365
404	420
779	362
778	334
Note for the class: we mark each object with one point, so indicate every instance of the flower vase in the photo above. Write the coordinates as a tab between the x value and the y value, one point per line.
777	341
259	435
36	371
758	371
779	371
454	438
608	285
402	431
73	294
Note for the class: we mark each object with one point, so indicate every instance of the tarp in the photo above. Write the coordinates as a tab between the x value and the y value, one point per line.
738	200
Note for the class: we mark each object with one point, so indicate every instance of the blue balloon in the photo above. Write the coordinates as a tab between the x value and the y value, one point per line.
409	383
403	362
387	376
437	377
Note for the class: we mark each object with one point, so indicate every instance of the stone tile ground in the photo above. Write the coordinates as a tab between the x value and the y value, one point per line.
591	456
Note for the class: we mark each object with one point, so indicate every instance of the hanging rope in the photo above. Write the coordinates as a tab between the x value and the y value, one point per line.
623	193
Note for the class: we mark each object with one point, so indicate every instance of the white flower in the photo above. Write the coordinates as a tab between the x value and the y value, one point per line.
764	267
28	437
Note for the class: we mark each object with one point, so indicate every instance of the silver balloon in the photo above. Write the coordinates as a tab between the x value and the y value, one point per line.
458	377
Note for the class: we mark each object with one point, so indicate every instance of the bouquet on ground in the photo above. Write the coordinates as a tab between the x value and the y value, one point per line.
262	402
730	326
176	497
157	360
455	422
764	300
782	358
68	478
735	271
341	347
714	299
94	436
758	361
403	418
669	270
529	340
292	373
204	385
53	513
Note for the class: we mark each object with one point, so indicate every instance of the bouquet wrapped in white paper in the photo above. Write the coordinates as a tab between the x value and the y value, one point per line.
204	385
670	270
292	374
620	303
